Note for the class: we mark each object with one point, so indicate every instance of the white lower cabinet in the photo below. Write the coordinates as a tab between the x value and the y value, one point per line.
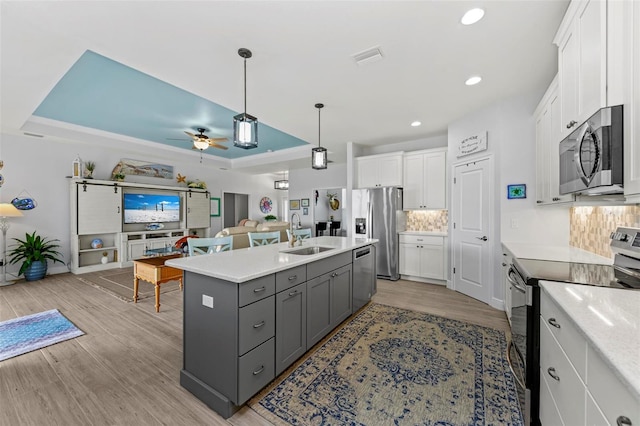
422	256
577	387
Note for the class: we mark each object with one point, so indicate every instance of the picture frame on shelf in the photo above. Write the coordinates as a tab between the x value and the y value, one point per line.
304	202
294	204
215	207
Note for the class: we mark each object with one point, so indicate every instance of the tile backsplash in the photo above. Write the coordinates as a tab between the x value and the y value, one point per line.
427	220
589	227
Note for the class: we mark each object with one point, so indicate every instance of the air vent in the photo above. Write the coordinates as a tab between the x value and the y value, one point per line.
368	56
32	134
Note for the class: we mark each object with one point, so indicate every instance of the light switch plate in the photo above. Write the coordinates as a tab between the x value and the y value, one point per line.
207	301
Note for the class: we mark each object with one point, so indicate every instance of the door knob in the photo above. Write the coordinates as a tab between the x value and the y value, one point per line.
483	238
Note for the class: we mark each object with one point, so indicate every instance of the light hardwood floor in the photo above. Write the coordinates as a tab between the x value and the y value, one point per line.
125	370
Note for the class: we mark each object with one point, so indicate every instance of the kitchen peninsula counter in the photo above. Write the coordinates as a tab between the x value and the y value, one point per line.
556	253
250	313
243	265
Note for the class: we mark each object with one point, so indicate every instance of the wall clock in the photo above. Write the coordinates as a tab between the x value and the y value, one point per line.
265	204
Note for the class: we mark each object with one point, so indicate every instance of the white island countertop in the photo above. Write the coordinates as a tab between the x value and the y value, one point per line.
609	318
246	264
555	253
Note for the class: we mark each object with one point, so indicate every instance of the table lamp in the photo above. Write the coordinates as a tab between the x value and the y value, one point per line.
6	210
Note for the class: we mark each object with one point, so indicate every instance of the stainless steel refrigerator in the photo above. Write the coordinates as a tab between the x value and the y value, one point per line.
377	213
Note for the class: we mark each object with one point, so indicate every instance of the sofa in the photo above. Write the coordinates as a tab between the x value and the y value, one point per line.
240	234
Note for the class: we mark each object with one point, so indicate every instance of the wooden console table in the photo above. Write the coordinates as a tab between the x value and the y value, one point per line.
154	270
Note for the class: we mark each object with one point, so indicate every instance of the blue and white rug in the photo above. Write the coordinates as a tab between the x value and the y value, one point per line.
31	332
391	366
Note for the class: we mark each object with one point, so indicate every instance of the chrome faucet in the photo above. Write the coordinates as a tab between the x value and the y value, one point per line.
292	237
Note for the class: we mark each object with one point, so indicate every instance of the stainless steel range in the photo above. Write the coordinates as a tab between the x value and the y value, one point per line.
524	275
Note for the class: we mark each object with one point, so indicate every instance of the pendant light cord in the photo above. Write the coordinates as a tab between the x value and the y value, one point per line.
245	86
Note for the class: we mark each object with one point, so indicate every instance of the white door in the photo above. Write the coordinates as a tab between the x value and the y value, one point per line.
471	239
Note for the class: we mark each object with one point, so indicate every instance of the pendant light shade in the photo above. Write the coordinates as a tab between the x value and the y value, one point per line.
319	154
281	184
245	126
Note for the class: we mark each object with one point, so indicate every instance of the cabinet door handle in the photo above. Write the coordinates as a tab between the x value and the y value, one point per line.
293	293
571	124
504	264
555	199
293	277
623	421
539	201
334	275
553	322
419	239
258	325
259	370
552	373
118	209
258	290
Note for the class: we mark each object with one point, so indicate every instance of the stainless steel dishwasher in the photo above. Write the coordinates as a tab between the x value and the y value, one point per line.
364	276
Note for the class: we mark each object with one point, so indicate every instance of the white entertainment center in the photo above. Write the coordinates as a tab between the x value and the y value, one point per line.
97	213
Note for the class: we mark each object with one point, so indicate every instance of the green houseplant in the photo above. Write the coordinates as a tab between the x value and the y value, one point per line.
270	217
33	252
118	176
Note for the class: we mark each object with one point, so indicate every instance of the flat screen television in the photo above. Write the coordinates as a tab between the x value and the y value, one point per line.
151	208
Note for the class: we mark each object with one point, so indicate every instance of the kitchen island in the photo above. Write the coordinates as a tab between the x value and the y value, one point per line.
250	313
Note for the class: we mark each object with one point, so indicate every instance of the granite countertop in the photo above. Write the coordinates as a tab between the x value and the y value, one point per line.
249	263
609	318
555	253
433	233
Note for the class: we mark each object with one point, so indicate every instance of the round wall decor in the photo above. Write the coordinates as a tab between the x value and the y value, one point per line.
265	204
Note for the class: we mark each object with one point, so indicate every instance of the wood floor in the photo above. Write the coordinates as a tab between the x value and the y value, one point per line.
125	370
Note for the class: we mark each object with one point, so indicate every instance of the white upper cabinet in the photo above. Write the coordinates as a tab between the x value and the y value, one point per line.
99	209
198	209
548	130
424	180
379	170
582	62
631	58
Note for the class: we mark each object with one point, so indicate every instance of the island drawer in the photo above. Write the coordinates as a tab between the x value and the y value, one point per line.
315	269
255	370
290	277
257	289
256	324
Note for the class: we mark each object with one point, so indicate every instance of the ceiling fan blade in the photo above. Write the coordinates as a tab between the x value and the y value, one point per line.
219	146
191	134
218	139
174	139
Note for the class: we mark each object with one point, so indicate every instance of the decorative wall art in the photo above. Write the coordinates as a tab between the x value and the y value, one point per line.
516	191
294	204
305	211
304	202
215	207
143	168
24	201
265	204
472	144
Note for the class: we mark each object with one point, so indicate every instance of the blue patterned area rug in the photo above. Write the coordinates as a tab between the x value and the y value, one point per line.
25	334
390	366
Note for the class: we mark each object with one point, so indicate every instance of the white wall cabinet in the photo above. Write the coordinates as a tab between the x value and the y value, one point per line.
631	31
198	209
548	137
424	180
101	208
422	256
582	62
379	170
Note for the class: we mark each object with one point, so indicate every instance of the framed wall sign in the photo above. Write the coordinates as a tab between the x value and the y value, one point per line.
472	144
305	202
294	204
215	207
516	191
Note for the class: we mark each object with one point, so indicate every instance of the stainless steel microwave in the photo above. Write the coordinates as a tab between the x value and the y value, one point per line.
591	156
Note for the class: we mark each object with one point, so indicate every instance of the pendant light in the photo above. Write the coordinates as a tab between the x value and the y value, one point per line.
281	184
245	126
319	154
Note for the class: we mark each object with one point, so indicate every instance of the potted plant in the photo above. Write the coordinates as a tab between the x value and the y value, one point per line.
118	176
34	251
270	217
89	166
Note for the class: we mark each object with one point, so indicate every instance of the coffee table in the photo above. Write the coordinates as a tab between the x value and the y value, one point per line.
153	270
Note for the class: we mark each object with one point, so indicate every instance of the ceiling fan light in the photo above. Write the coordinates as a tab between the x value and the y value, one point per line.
319	158
201	144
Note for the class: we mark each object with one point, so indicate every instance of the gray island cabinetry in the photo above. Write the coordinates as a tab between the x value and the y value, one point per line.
239	334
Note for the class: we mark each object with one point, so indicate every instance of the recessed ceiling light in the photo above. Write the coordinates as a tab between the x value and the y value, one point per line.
416	123
473	80
472	16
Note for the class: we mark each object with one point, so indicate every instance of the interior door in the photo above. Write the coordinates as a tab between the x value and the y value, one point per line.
471	235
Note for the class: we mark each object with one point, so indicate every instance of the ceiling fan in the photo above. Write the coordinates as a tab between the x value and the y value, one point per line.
202	141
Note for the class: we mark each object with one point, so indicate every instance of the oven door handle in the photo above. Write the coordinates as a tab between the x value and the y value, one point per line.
515	376
511	277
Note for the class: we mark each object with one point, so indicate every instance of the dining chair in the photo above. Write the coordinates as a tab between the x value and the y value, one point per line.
209	245
263	238
320	227
301	234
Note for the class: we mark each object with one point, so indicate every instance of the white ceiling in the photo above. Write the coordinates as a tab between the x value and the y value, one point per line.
301	56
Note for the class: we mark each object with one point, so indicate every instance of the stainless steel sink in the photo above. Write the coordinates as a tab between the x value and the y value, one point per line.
306	251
